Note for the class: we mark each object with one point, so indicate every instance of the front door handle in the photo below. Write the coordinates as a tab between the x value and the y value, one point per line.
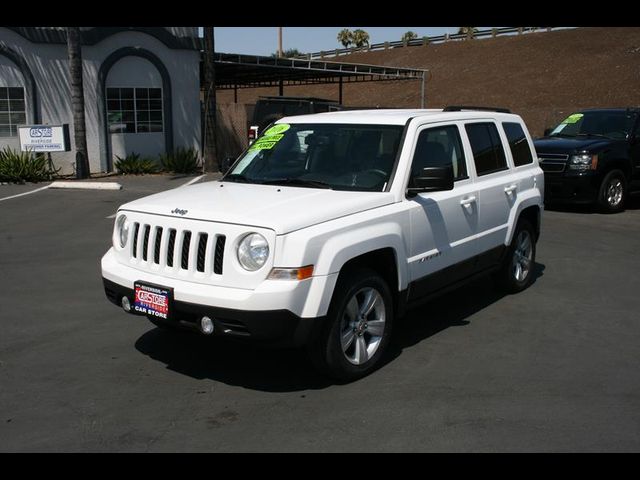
466	202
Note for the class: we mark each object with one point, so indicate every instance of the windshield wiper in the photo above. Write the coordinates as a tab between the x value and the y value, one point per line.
236	177
296	182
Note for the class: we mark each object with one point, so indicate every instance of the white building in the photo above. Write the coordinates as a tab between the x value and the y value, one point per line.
141	89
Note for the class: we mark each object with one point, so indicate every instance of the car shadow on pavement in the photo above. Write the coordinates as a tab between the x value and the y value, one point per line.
267	369
248	365
452	309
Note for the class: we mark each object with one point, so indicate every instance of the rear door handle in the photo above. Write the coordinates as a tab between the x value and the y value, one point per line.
466	202
510	189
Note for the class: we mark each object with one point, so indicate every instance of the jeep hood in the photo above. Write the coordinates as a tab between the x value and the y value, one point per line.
280	208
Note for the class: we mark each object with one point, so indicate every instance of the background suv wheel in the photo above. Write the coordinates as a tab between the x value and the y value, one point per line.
613	192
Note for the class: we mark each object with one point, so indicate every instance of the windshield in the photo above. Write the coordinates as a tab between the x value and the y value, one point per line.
610	124
336	156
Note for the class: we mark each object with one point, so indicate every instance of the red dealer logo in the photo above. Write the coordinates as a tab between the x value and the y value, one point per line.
152	300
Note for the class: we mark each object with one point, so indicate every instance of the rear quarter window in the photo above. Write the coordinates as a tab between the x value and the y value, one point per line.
488	153
520	150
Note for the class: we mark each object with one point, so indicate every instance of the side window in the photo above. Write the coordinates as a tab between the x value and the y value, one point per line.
488	153
438	147
518	144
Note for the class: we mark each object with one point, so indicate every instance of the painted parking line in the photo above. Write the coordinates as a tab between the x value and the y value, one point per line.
25	193
112	216
192	181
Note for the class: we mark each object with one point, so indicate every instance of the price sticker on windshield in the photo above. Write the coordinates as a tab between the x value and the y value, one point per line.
270	137
276	129
263	145
573	118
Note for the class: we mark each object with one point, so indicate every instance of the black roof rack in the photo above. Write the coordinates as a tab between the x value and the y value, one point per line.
457	108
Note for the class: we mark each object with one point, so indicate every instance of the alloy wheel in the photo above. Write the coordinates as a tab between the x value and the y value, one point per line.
522	256
363	325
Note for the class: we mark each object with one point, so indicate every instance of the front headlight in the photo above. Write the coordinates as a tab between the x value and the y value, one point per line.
253	251
583	162
122	230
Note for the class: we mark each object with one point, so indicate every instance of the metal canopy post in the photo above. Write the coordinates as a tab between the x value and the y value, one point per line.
340	91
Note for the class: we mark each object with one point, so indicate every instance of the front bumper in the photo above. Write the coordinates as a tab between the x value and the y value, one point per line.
280	327
566	188
282	312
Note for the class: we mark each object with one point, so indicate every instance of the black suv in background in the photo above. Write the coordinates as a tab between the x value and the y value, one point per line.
592	156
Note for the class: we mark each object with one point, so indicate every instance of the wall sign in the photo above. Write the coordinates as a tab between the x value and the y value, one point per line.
44	138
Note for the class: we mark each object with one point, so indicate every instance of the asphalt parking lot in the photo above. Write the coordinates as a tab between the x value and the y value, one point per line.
554	368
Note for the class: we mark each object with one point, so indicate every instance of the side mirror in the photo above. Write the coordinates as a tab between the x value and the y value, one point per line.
225	165
547	131
432	179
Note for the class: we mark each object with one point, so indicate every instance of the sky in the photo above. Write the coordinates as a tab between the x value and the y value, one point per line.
264	40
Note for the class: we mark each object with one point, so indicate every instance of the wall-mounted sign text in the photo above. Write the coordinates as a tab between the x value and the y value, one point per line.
44	138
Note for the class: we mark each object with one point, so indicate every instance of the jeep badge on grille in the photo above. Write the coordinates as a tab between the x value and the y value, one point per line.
179	211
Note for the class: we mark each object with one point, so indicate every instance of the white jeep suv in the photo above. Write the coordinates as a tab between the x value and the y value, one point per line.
330	225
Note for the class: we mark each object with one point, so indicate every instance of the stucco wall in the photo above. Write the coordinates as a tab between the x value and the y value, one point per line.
49	66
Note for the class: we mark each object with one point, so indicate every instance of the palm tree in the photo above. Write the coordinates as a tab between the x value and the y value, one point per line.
210	153
74	51
408	36
360	38
345	37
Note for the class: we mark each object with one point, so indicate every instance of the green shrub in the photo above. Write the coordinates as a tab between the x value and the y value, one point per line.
133	164
181	161
20	167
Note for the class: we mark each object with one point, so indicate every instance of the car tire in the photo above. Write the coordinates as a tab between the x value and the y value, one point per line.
613	192
357	329
517	270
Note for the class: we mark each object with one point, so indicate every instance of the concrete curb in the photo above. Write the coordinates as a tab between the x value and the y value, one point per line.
87	185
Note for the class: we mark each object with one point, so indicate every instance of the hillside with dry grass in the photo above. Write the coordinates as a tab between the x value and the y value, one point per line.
542	76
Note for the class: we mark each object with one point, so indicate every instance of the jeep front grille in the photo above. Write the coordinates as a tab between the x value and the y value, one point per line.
219	255
170	247
188	250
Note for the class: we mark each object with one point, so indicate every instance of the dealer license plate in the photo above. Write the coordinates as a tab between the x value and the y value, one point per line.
152	300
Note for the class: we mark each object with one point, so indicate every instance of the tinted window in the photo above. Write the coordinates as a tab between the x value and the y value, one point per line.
439	147
488	153
518	144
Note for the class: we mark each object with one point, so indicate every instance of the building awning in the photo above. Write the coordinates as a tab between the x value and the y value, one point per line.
251	71
235	71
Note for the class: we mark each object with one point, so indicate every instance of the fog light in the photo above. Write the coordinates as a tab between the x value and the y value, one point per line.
126	304
206	325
